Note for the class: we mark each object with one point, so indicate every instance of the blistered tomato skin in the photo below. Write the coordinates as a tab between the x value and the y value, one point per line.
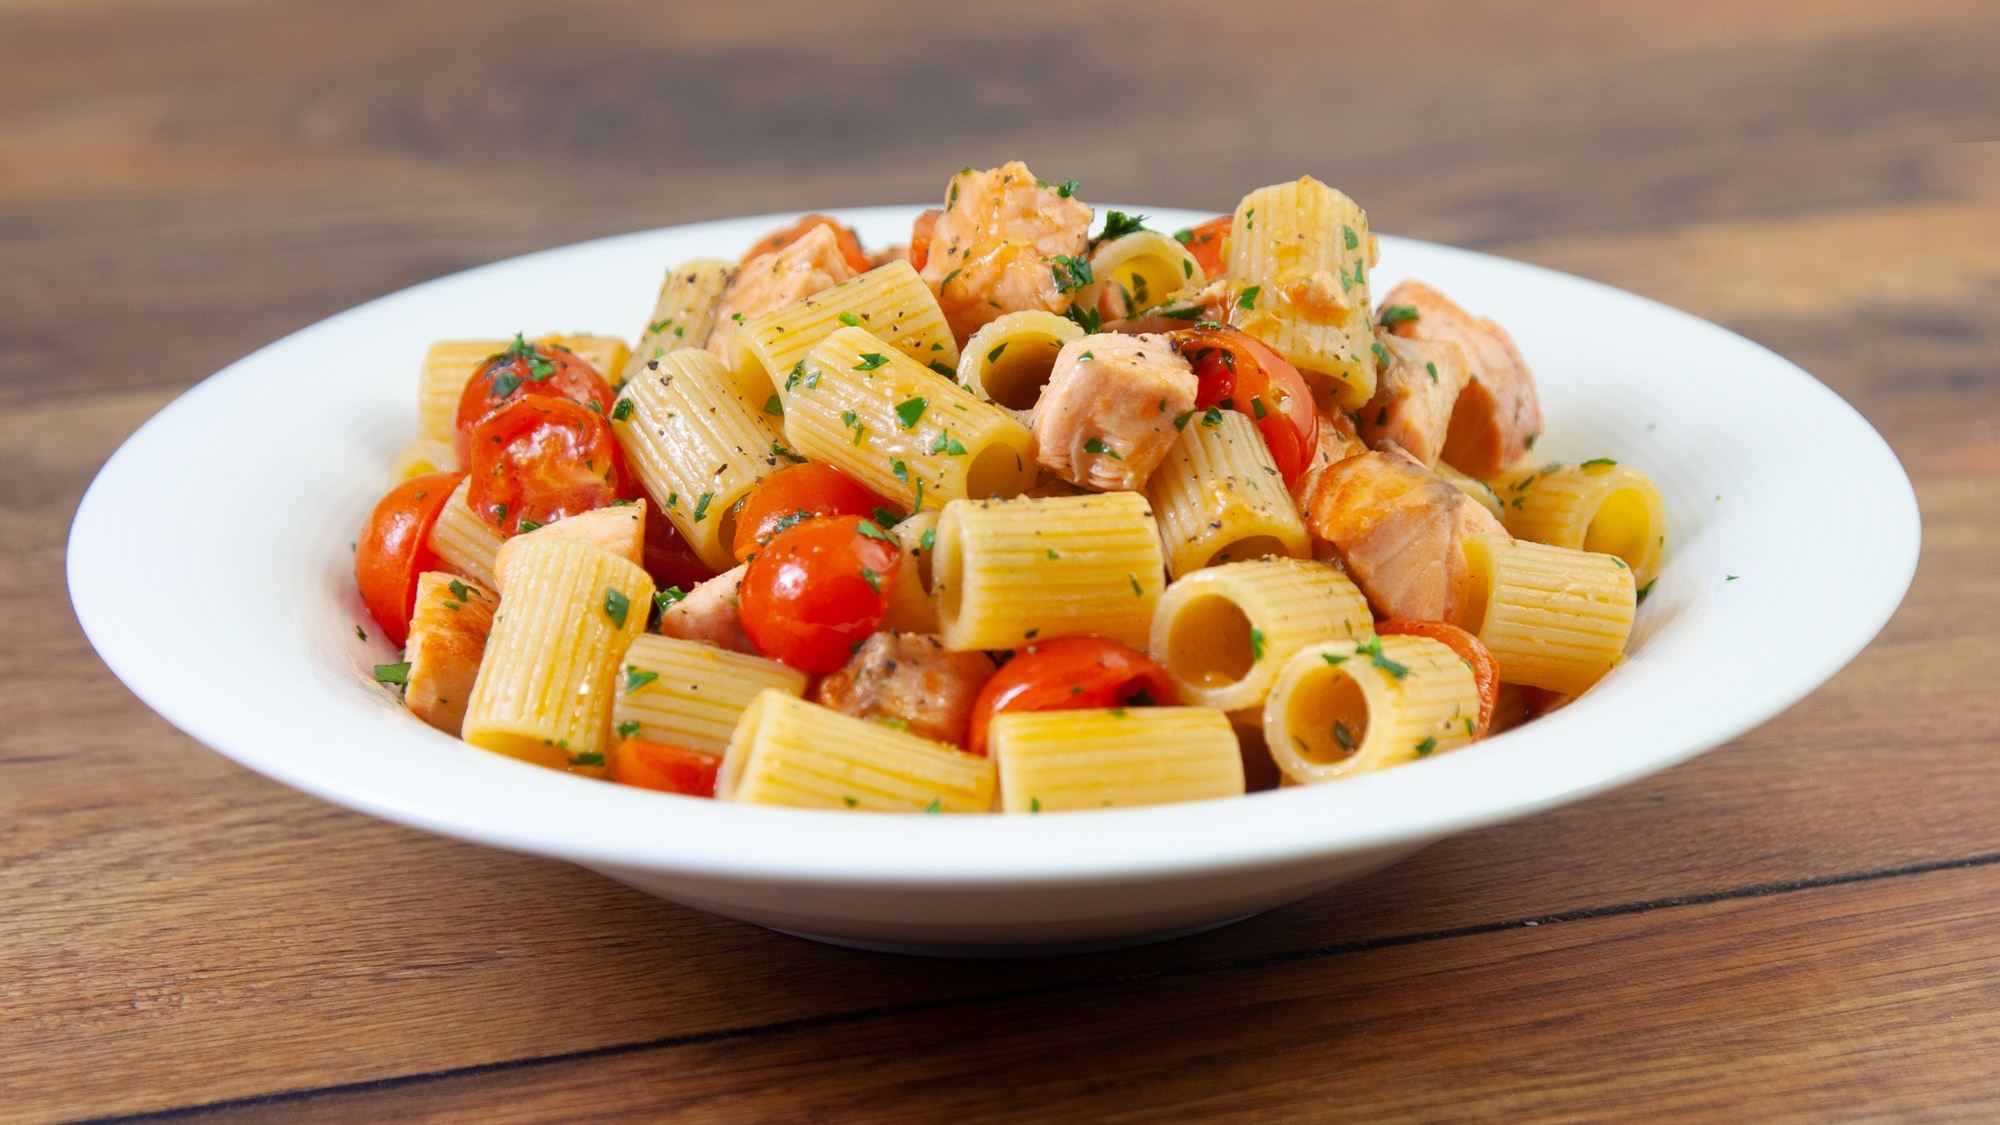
669	769
538	459
796	493
1069	674
522	370
395	549
819	589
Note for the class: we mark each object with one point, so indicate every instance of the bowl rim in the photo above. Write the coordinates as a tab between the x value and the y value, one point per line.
488	799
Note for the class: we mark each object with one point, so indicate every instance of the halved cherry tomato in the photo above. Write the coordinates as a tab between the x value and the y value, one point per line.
1069	674
819	589
670	769
920	237
850	245
395	548
522	370
669	559
1209	243
1485	670
794	494
538	459
1241	373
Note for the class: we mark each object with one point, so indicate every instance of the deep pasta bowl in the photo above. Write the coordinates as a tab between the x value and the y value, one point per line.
1793	536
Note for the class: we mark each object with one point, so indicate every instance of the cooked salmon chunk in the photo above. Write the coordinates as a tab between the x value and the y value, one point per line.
709	613
447	639
910	681
1400	529
770	281
1498	415
1414	395
1006	242
1338	441
1106	418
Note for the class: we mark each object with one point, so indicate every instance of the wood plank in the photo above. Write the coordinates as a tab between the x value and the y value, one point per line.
1818	1005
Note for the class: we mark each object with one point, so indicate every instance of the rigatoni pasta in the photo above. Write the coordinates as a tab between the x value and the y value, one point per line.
1009	571
787	751
545	683
1220	497
683	314
1554	618
688	694
1223	633
891	303
1007	362
1299	255
464	541
901	429
1599	506
697	444
1057	761
1348	707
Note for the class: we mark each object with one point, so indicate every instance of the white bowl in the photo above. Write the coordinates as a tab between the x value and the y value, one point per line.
210	566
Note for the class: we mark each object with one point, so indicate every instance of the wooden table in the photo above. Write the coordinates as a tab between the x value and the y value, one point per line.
1804	924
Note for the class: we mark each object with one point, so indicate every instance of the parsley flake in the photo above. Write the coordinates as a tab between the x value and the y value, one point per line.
629	729
870	361
1398	314
1096	445
701	506
637	677
850	320
1248	298
393	673
1343	736
1606	461
622	410
1256	644
869	529
774	407
616	606
910	410
1425	747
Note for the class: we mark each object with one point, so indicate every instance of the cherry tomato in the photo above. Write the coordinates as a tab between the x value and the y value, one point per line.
538	459
850	245
395	547
670	769
522	370
1238	372
1068	674
1209	243
795	493
819	589
669	559
920	237
1485	670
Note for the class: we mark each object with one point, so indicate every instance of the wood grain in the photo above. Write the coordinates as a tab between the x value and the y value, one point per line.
180	184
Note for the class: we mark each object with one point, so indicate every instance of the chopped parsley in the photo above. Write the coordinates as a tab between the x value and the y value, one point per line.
629	729
929	542
941	369
1212	417
901	468
883	516
1381	355
590	758
850	320
910	410
1070	273
637	677
871	530
936	805
797	376
526	525
1117	224
393	673
1137	590
870	361
1644	590
664	600
1343	736
873	579
1353	241
701	506
1068	188
1433	369
1256	644
1425	747
1086	319
616	606
774	407
1096	445
1398	314
851	802
1373	650
1034	804
1606	461
621	410
994	355
1181	419
1335	659
778	450
460	591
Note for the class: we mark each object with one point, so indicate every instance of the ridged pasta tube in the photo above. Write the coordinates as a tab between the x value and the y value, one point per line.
683	315
464	541
787	751
1008	361
1347	707
1138	271
545	684
890	302
1055	761
1007	572
697	444
1553	617
913	603
1599	506
1223	633
1220	496
689	694
448	367
903	430
1298	271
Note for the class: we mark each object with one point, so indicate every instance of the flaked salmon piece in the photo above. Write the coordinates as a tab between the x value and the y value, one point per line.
1210	302
1414	395
770	281
1338	441
1106	417
620	530
1498	415
447	639
1400	529
709	613
1006	242
910	681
